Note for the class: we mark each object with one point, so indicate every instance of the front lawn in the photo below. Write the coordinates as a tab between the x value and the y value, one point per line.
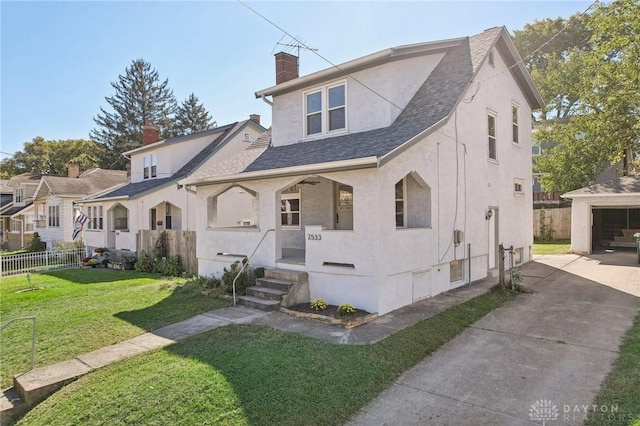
80	310
552	247
240	375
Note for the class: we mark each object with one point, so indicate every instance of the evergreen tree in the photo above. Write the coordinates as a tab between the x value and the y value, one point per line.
192	117
140	95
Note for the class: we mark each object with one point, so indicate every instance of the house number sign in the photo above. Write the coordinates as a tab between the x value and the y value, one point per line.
314	237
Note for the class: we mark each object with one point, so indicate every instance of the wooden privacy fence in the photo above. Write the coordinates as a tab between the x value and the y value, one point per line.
181	243
556	220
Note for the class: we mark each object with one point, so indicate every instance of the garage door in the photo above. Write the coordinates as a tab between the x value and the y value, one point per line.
614	227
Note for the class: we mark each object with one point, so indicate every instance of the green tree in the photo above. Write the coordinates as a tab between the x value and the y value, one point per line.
139	96
52	156
592	86
191	117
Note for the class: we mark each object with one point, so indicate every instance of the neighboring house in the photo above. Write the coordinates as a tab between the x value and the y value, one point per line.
152	199
605	214
6	198
18	215
54	199
387	179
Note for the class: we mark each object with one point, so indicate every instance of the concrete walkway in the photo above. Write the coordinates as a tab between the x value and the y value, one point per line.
556	345
36	384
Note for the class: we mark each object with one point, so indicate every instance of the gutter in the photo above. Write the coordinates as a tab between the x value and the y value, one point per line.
359	163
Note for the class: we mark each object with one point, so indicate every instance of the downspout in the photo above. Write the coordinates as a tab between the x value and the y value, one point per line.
21	232
267	101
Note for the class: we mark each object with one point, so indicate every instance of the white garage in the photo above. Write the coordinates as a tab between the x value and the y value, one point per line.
605	215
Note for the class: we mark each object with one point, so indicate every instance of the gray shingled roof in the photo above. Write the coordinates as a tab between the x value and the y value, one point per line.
238	162
14	210
133	190
622	185
433	101
89	182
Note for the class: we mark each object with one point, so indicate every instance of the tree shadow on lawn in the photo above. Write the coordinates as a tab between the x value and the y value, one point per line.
174	308
98	275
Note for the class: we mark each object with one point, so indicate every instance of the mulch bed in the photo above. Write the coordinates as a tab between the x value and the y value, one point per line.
330	315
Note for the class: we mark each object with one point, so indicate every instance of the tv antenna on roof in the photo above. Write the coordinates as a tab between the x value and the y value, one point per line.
295	44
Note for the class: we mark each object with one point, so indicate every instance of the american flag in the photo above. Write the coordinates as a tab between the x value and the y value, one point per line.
78	224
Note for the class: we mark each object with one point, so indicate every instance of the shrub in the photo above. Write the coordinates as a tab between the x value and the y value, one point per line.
172	267
128	261
144	263
346	309
246	279
36	244
319	304
201	283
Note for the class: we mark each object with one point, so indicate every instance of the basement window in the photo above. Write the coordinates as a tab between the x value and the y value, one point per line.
456	271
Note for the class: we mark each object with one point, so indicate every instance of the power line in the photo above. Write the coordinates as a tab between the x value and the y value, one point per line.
553	37
302	44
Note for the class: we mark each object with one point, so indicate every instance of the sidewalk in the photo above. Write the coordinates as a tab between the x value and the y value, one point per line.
555	345
41	382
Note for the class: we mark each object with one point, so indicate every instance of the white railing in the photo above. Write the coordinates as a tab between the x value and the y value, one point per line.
41	261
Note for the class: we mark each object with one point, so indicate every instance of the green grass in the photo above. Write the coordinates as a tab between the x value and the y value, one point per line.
240	375
622	386
80	310
552	247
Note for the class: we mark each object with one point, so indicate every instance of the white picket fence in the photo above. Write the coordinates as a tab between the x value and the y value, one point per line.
41	261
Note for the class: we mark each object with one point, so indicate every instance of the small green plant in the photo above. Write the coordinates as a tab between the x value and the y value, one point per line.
546	231
246	279
319	304
144	263
36	244
93	262
128	261
172	267
202	283
346	309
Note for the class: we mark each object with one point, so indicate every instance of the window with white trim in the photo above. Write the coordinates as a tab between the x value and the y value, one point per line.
28	223
95	217
326	109
518	186
150	166
456	271
53	216
167	216
120	218
491	130
16	225
290	207
515	110
18	195
517	256
400	197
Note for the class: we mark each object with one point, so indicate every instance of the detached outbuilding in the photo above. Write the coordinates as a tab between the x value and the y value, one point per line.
605	214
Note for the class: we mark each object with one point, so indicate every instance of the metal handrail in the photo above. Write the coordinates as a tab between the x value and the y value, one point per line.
244	265
33	334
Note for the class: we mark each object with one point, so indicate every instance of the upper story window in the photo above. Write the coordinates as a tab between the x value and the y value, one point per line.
491	126
18	195
53	215
518	186
326	110
515	109
150	166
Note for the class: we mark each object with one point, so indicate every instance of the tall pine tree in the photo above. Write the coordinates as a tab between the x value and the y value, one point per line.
192	117
140	95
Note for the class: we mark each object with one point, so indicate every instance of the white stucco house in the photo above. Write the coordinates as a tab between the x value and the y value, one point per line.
151	199
387	179
605	215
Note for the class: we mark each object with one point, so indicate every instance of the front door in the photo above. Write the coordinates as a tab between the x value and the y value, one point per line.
344	207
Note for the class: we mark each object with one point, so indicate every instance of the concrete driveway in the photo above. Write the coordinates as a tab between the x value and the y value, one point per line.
540	358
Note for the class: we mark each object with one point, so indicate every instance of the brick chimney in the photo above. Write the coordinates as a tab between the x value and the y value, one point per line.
73	170
255	118
150	133
286	67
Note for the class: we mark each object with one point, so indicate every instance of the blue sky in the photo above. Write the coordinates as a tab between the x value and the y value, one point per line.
59	58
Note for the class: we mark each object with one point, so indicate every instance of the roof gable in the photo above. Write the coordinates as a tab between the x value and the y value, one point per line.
621	185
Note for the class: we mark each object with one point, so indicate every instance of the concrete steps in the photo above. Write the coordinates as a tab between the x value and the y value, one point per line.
272	289
10	405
